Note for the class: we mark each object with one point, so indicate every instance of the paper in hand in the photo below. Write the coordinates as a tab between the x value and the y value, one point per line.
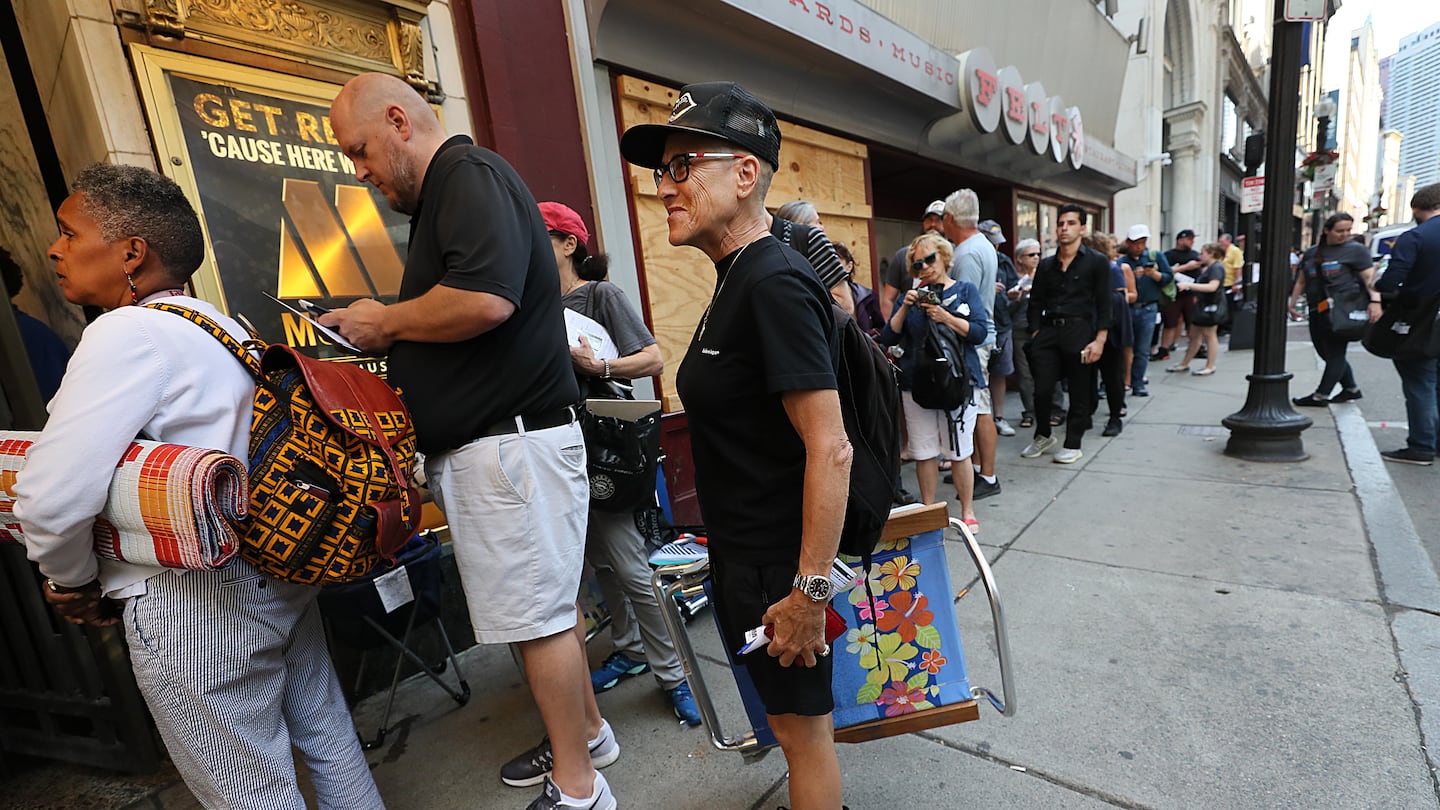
330	334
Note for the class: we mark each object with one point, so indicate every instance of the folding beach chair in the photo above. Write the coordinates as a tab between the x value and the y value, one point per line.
386	610
899	668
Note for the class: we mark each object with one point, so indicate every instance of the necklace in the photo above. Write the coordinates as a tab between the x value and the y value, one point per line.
705	319
573	287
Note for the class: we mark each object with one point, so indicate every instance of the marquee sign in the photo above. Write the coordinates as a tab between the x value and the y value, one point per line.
999	99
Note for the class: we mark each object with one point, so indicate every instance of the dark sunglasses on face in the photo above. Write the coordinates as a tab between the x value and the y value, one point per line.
920	264
679	166
1030	255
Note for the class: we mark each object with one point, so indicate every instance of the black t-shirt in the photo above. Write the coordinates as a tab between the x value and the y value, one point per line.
1332	268
1214	272
1177	257
479	229
769	329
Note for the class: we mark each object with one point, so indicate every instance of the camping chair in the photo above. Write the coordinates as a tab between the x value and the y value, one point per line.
875	695
375	612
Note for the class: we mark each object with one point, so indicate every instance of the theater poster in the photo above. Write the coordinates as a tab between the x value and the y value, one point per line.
283	213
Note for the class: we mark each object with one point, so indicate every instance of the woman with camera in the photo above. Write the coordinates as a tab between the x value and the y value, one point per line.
937	298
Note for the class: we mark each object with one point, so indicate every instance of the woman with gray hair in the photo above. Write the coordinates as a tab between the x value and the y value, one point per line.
1027	258
232	664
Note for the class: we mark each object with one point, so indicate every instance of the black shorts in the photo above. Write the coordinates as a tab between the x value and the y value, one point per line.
742	595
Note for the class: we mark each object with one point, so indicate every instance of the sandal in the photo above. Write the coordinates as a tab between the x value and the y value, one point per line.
1027	421
1057	420
1204	372
1177	368
972	524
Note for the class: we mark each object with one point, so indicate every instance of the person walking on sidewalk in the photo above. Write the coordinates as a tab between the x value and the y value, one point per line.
477	342
1027	258
1413	276
614	547
1336	263
1205	320
933	434
772	458
1069	324
1152	272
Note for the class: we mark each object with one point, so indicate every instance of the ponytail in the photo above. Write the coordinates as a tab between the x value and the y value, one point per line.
590	268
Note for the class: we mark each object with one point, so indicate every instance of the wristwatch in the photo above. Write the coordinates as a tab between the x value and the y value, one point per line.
816	587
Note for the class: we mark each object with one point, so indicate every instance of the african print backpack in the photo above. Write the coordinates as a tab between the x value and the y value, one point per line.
332	450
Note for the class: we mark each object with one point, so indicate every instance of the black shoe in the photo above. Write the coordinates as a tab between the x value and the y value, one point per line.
1311	401
1113	427
1203	353
1409	455
903	497
949	478
1347	394
1162	354
984	489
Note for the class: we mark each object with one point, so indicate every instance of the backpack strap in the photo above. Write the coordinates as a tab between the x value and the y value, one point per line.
241	351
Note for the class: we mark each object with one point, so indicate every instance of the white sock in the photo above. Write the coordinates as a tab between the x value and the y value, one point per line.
989	479
570	801
976	466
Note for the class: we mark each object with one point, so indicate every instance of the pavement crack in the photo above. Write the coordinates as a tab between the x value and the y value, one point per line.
1029	770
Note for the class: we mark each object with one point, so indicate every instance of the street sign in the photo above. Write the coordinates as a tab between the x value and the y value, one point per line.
1325	177
1252	194
1303	10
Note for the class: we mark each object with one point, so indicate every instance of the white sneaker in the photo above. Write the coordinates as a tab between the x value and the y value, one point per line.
1038	447
1068	456
1003	428
552	799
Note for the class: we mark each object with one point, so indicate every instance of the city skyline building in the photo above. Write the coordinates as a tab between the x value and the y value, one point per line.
1359	126
1414	86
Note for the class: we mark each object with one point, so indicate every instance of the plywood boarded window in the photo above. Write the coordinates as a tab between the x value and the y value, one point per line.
815	166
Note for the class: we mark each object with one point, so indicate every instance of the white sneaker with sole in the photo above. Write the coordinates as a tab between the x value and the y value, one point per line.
1038	447
1003	428
1068	456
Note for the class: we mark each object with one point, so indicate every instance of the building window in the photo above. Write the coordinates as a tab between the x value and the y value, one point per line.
1229	125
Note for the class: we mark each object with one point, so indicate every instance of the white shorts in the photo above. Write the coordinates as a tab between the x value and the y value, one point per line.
983	404
517	506
928	431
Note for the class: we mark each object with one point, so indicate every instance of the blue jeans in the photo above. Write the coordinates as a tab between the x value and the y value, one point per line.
1418	378
1142	320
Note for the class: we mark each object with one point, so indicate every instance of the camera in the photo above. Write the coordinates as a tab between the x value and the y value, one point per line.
930	295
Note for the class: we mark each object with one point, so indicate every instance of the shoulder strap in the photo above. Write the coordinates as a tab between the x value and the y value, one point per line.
246	357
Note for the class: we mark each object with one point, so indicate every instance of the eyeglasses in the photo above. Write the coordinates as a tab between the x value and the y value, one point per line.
920	264
1029	255
679	166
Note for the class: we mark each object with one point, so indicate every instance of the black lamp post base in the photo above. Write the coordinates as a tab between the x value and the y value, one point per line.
1267	428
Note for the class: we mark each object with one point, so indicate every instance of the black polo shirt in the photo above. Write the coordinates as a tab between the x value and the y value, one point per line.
478	229
1075	292
769	329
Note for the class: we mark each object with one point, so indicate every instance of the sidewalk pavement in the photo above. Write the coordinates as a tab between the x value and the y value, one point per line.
1189	631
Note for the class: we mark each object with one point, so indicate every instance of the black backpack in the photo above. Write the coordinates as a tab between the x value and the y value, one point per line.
940	381
870	407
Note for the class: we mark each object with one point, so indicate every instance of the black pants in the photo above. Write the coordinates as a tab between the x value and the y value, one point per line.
1110	371
1332	350
1055	355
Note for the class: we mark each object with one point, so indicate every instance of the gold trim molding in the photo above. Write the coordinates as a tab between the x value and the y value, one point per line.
352	36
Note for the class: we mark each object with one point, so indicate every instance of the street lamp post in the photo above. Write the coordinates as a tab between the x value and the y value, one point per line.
1268	428
1323	112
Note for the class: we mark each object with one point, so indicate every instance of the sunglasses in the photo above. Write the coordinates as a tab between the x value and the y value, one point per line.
920	264
679	166
1029	255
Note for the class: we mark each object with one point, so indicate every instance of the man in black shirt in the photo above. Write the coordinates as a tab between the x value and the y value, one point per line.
771	455
477	343
1069	319
1183	258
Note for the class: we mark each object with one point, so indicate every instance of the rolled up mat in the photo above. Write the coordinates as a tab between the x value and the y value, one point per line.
169	505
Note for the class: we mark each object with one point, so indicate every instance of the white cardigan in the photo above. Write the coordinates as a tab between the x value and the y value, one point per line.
135	370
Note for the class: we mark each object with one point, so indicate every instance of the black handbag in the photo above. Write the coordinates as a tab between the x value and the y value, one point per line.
622	446
1349	313
1211	312
1405	330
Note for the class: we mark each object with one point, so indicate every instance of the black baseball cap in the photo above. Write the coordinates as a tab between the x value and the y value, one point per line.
1185	234
723	110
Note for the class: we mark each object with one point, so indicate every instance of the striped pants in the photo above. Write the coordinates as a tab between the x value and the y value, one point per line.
234	667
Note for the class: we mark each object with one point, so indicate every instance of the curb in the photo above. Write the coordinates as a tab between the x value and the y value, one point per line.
1409	587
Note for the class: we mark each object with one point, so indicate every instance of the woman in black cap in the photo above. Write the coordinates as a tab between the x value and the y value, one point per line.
771	456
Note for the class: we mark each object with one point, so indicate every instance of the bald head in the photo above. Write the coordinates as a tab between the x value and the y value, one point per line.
390	133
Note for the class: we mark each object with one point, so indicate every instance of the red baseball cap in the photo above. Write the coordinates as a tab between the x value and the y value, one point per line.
562	218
